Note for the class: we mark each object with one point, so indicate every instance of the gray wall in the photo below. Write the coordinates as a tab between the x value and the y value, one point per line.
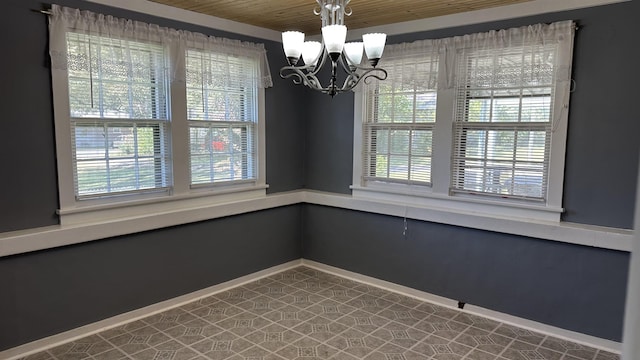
47	292
50	291
603	121
570	286
309	144
29	197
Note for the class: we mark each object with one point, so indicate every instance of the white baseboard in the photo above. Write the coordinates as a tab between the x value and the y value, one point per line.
115	321
96	327
588	340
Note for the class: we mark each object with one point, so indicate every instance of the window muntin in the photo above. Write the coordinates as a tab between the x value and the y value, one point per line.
399	120
503	122
118	116
222	116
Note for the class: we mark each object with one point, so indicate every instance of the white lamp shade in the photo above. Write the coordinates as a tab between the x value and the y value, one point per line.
353	52
334	37
292	43
374	44
311	51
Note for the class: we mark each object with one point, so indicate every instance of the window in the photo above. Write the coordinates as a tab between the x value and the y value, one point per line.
222	114
399	120
146	114
472	123
503	123
118	116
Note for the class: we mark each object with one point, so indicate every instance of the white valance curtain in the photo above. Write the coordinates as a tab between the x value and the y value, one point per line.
90	24
538	38
413	64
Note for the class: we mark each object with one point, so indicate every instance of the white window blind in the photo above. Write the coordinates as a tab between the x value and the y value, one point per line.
121	136
222	114
118	115
505	114
399	119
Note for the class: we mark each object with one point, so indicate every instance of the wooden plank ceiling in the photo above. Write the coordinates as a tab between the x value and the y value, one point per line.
282	15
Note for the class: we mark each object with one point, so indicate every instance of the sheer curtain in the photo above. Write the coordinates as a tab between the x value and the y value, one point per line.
511	89
413	64
537	37
540	41
115	121
88	24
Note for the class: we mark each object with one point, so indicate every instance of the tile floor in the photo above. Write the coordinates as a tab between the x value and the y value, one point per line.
308	314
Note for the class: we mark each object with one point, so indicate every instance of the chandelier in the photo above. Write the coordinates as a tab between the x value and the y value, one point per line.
348	56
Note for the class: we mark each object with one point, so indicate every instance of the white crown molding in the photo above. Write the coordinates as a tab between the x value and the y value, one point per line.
191	17
529	8
535	7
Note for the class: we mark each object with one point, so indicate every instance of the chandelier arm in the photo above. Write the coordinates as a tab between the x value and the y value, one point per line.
345	67
350	82
320	62
300	77
354	79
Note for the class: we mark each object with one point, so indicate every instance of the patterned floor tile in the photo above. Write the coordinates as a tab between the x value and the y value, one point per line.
576	350
604	355
305	314
165	354
339	293
484	340
243	324
84	348
400	334
394	352
524	351
321	328
330	309
39	356
222	346
169	319
520	334
370	303
477	354
477	321
262	305
363	321
301	299
403	300
403	314
441	327
356	343
306	349
273	337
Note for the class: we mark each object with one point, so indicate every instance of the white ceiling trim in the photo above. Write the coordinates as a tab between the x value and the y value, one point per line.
191	17
535	7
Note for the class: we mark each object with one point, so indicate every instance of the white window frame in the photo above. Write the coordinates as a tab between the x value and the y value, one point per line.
249	122
438	195
181	195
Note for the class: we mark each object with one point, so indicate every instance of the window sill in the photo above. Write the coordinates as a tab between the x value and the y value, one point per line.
95	213
23	241
572	233
423	197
